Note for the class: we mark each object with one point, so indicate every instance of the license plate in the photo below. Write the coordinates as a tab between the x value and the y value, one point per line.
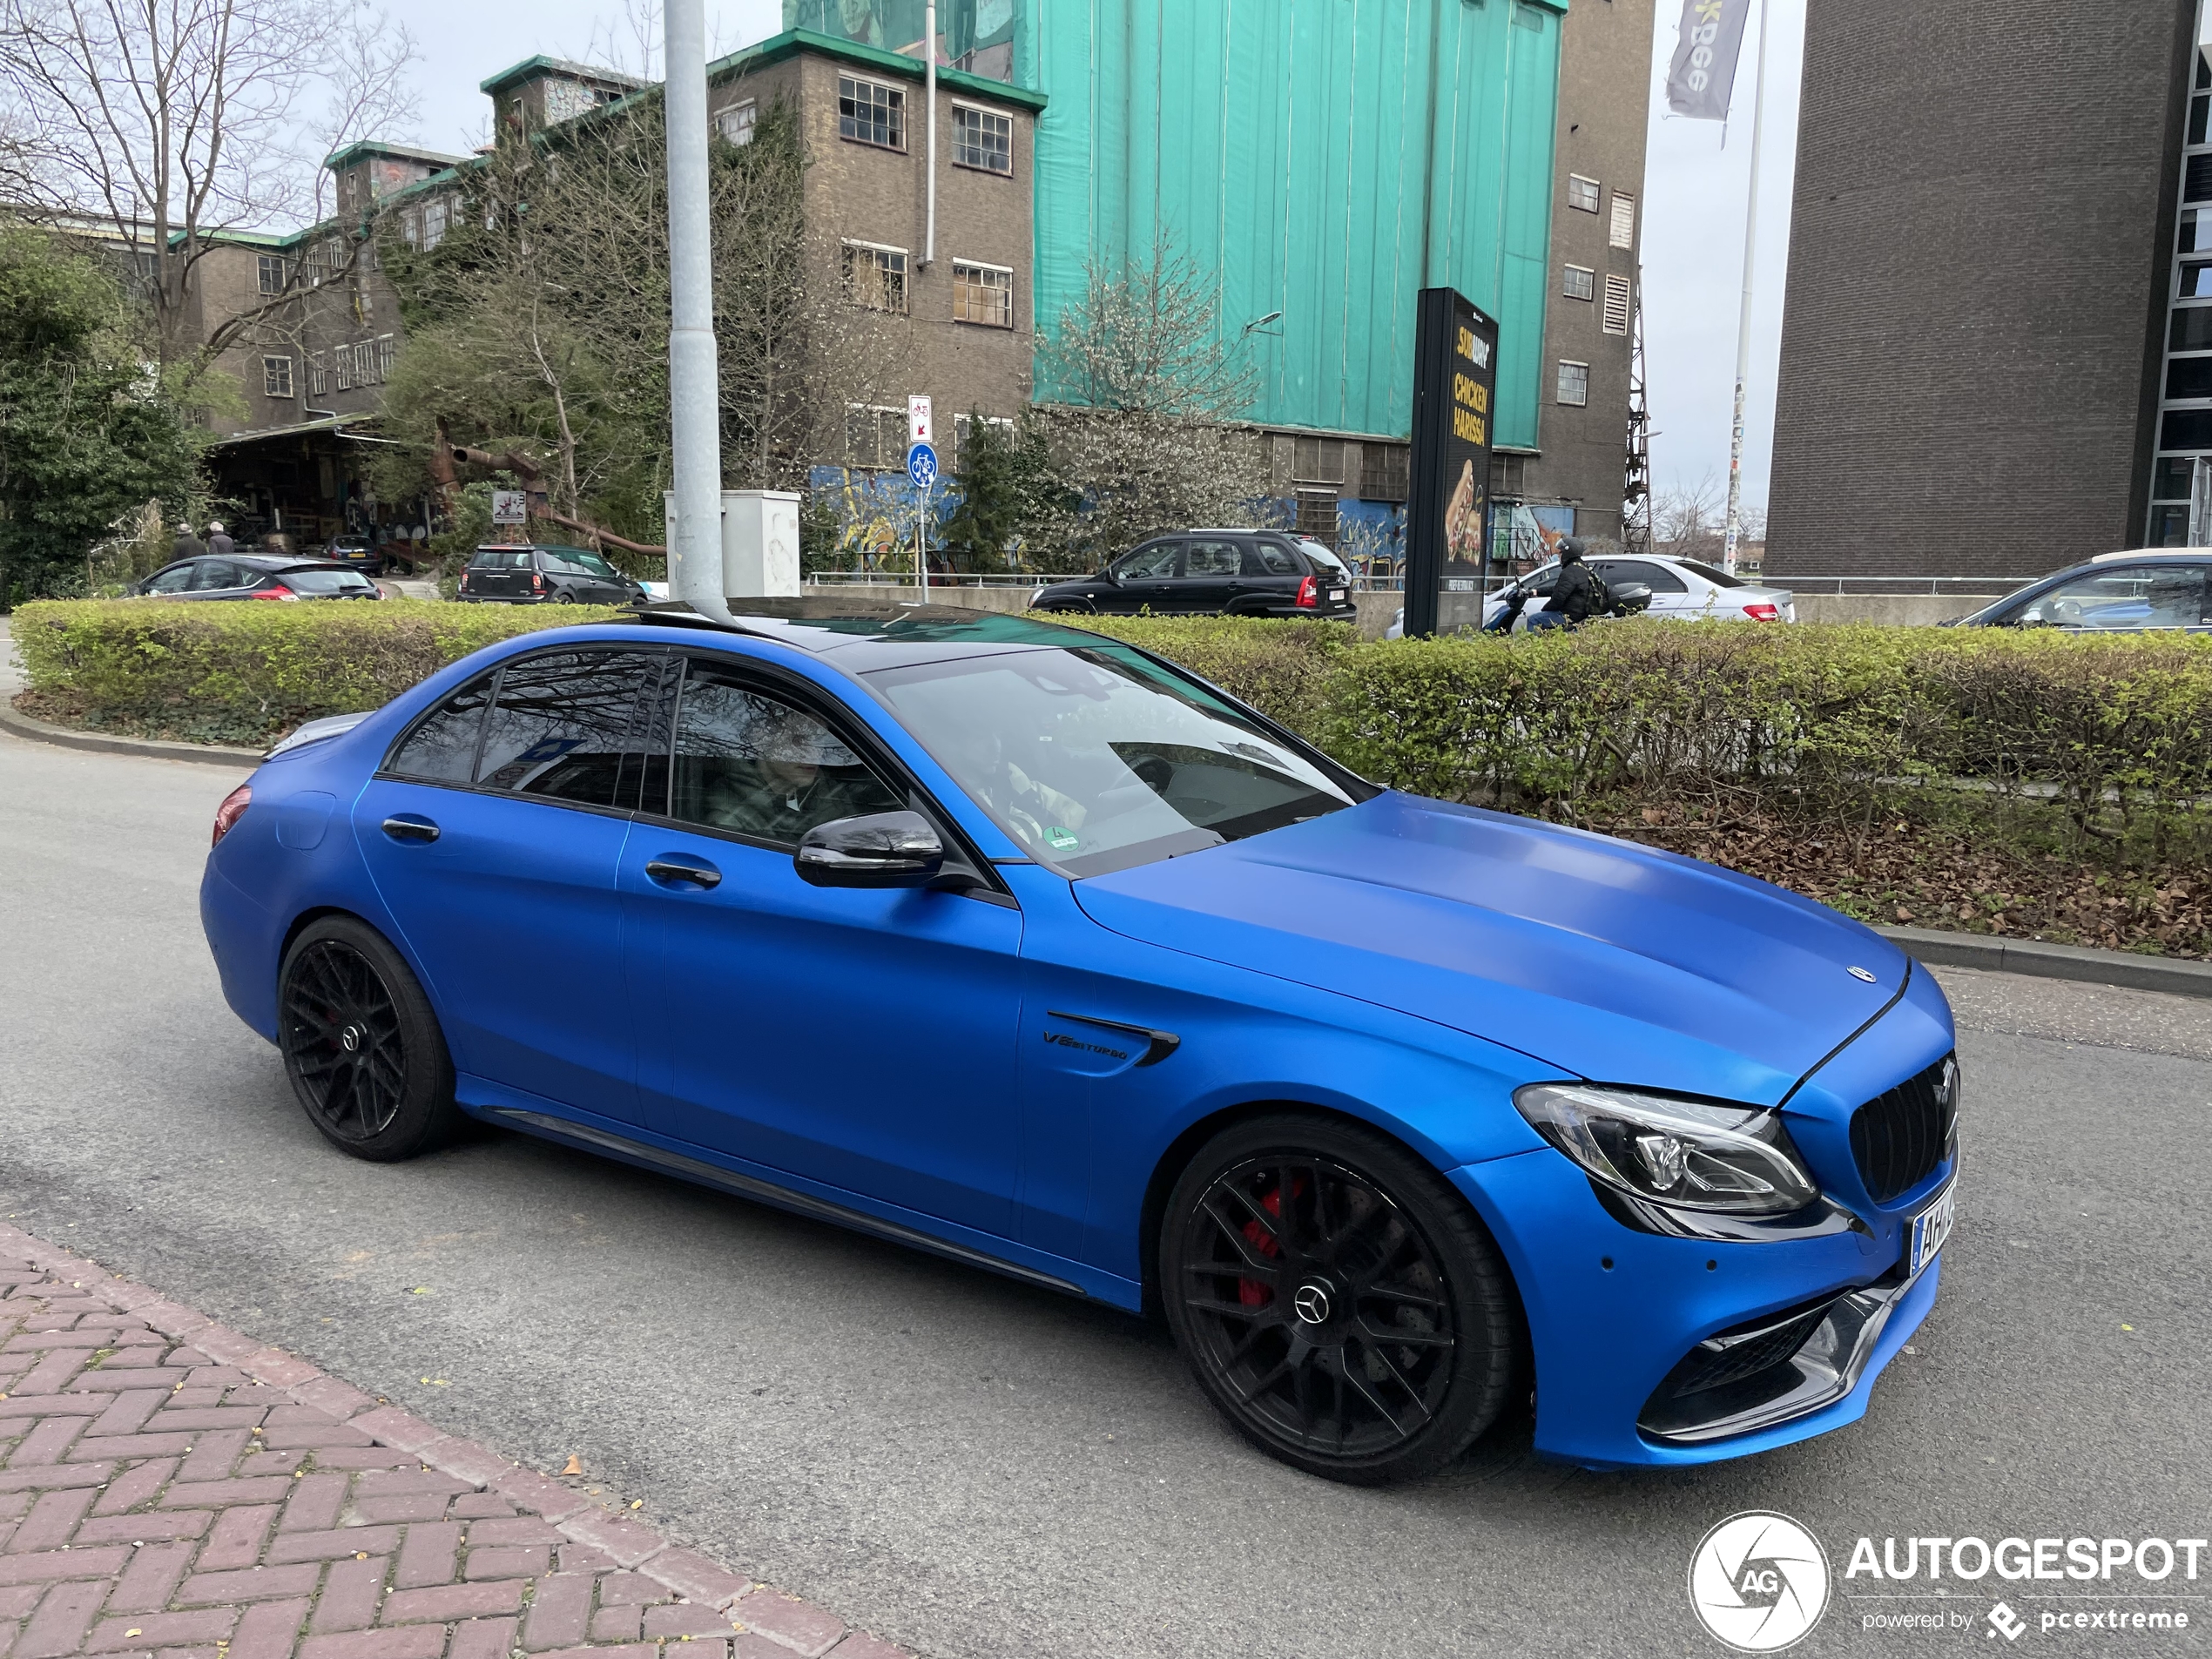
1337	596
1931	1227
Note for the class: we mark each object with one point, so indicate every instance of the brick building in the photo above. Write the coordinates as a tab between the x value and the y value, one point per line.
1981	262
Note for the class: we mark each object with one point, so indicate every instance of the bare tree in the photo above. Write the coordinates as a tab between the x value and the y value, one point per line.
162	122
1689	521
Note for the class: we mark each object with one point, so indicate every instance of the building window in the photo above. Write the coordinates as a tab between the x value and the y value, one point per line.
982	140
1617	296
869	112
983	294
875	437
344	356
1581	193
875	277
1316	515
998	424
272	274
1624	219
1384	471
317	375
1317	461
1575	385
736	123
276	376
433	222
386	349
1580	283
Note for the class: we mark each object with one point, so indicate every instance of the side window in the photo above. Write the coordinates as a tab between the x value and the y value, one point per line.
2131	596
442	750
1152	564
1211	559
211	576
758	766
176	579
563	724
1621	573
1269	558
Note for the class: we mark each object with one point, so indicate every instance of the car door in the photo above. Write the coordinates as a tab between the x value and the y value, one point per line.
493	833
215	578
2121	597
170	582
1144	579
863	1039
1670	595
1272	573
1212	565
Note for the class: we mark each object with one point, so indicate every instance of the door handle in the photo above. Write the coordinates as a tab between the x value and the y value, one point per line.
410	827
674	872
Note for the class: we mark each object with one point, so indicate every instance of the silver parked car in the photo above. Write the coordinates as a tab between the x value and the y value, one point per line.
1682	591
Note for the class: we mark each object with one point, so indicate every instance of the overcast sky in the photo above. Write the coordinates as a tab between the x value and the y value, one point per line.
1695	192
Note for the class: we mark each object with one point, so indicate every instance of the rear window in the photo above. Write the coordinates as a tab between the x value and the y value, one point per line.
501	558
1718	578
1324	562
328	581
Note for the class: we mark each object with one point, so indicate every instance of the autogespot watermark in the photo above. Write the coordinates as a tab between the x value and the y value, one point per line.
1760	1582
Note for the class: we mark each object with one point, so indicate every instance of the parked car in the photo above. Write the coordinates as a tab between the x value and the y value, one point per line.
536	575
358	552
1233	572
257	575
1681	589
1007	941
2113	591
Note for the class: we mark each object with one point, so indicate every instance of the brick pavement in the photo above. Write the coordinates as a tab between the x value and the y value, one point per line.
172	1489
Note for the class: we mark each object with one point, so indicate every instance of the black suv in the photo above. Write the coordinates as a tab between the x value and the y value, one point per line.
1230	573
537	575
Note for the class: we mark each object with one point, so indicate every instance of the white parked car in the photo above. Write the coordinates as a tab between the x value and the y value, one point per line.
1681	590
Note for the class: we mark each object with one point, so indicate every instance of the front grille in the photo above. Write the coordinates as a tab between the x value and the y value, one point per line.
1898	1138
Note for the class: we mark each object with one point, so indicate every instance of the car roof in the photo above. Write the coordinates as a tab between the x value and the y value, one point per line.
2196	555
279	562
868	634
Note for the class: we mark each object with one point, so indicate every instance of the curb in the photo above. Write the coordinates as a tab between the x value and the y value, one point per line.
16	723
796	1626
2042	960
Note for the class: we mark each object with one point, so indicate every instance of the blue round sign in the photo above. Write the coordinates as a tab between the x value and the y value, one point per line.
922	466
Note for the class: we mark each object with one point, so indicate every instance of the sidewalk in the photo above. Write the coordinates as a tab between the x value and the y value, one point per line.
174	1490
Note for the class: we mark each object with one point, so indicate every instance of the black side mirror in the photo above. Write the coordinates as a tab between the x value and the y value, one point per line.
876	850
1109	573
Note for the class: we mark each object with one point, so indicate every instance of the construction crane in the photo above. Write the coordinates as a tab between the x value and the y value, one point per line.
1635	486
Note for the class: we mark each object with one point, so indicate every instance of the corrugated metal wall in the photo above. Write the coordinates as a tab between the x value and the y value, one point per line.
1286	144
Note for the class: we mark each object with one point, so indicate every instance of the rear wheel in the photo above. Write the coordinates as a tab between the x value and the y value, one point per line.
360	1044
1344	1307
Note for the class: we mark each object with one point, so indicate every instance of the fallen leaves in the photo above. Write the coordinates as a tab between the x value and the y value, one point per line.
575	1464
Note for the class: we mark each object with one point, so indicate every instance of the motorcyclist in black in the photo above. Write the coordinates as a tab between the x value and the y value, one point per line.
1578	595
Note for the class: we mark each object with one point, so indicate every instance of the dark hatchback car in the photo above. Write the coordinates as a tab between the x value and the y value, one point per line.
257	575
358	552
2114	592
1234	573
537	575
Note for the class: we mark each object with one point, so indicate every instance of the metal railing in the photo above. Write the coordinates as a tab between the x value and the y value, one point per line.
1930	587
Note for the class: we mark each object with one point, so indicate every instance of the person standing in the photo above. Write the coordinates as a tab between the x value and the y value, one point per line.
187	546
218	540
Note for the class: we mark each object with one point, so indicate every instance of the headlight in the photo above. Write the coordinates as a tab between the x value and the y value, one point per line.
1736	1159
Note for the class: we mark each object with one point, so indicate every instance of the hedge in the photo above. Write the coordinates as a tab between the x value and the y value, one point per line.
243	673
2107	738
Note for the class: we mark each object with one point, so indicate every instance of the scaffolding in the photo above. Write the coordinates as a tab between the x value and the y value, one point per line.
1636	485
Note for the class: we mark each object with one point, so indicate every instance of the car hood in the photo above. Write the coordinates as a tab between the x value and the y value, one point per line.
1611	962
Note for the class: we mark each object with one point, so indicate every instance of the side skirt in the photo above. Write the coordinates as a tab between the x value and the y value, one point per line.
746	1186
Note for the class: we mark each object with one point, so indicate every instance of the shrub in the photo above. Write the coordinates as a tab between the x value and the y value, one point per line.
242	673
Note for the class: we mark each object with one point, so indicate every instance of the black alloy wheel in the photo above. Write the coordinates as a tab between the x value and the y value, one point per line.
360	1044
563	598
1341	1304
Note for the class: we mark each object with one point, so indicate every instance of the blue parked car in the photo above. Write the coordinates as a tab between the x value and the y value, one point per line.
1016	944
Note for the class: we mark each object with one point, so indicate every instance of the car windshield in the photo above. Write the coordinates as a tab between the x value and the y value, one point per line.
1096	758
1713	574
328	581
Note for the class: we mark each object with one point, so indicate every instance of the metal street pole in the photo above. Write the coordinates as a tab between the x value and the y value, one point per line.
695	538
1743	322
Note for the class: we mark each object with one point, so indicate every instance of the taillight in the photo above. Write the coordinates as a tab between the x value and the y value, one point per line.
1763	613
537	582
231	811
277	591
1309	594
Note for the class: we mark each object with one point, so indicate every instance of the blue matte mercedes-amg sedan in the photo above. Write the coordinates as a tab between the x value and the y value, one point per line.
1011	942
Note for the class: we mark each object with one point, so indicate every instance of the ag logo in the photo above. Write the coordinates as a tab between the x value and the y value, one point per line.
1759	1581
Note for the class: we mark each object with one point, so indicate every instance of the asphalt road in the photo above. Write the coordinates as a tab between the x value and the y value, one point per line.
976	1468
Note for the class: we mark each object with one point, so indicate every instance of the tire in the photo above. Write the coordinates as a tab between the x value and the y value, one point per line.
564	597
362	1045
1368	1330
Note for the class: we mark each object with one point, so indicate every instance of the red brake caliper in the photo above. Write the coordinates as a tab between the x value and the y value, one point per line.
1251	1291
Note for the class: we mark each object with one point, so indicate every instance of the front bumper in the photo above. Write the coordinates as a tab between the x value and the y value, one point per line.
1612	1310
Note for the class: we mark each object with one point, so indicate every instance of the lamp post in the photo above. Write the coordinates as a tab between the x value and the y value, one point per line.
694	448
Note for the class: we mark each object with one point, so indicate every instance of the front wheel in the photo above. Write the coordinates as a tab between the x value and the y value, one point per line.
1339	1303
362	1045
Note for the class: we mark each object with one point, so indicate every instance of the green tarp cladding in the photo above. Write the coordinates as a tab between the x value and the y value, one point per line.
1328	158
